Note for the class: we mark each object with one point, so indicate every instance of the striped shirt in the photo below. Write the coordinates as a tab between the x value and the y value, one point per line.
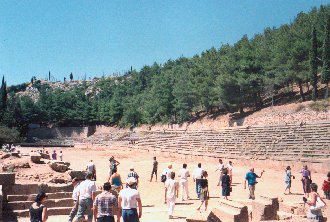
133	174
105	202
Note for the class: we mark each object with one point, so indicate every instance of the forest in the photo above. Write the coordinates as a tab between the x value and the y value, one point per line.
250	74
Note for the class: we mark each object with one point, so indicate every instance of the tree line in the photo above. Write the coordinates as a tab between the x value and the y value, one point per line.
250	74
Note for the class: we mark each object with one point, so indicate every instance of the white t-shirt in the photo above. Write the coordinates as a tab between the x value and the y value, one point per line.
198	173
167	172
86	188
90	167
128	198
220	167
184	174
171	186
230	169
75	192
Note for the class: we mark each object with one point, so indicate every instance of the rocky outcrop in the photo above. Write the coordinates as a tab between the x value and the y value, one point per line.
35	157
80	175
58	167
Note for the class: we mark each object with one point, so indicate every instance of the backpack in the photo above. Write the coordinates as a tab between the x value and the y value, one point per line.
326	186
163	178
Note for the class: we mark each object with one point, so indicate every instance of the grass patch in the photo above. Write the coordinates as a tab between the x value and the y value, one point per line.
320	106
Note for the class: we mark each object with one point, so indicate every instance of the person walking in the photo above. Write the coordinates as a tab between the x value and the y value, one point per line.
86	197
230	171
316	204
90	168
225	184
115	181
113	165
171	193
326	187
75	193
105	206
154	169
166	173
38	211
129	201
61	155
184	174
251	178
220	167
306	179
54	155
133	174
287	179
197	176
204	195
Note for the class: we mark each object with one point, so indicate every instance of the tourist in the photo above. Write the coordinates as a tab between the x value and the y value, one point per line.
326	187
113	165
132	173
171	193
86	197
129	201
230	171
54	155
61	155
154	169
220	167
204	194
225	184
115	181
287	179
90	168
184	174
197	176
105	206
251	178
38	211
75	193
306	180
316	204
166	173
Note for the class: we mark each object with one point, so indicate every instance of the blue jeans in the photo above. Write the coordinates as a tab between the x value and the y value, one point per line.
198	187
106	219
130	215
85	207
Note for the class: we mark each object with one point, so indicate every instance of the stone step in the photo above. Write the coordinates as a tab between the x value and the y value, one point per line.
22	205
58	195
51	211
281	215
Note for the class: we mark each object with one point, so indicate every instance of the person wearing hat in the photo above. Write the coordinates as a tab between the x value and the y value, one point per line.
129	200
132	173
105	206
86	197
287	179
75	183
113	165
38	211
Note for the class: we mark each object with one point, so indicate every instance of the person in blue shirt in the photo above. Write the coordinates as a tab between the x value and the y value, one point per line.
251	178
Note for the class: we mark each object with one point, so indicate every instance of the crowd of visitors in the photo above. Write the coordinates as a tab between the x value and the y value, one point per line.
122	200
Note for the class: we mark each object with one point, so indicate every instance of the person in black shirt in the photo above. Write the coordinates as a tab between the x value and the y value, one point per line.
204	196
38	211
225	184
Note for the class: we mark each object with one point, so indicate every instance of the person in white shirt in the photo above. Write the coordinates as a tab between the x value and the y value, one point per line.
197	176
75	183
166	172
230	171
129	200
86	197
61	155
171	193
220	167
184	174
90	168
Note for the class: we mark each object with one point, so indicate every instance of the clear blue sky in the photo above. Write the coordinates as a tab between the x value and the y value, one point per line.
101	37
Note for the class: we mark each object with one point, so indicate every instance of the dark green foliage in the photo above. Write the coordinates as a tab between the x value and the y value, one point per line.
325	77
313	64
71	76
8	135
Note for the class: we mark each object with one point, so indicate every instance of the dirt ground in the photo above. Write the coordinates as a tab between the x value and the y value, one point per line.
152	193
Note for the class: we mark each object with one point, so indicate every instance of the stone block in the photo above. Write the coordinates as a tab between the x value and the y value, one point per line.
7	179
1	199
35	157
265	208
45	156
5	155
229	211
77	174
16	154
61	168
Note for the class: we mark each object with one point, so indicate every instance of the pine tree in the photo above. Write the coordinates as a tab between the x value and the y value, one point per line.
49	76
3	97
313	64
71	76
325	77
